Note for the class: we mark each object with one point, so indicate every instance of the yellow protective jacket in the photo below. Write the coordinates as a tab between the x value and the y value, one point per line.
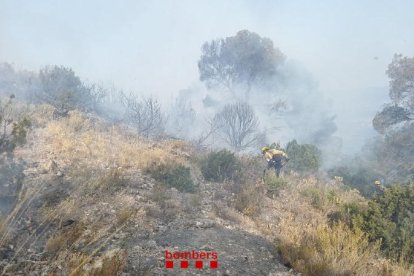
269	154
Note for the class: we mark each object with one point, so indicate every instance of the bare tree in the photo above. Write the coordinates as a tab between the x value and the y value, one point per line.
203	141
145	115
238	125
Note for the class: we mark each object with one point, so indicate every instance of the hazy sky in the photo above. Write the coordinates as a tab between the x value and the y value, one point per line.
153	46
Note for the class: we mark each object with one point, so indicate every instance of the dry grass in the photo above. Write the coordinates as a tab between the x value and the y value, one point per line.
65	238
40	115
328	251
312	246
249	199
124	215
77	138
111	263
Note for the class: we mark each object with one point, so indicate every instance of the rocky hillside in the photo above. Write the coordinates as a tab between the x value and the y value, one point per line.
85	204
86	197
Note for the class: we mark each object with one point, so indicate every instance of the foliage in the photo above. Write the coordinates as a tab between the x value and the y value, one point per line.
173	175
303	158
274	184
323	235
145	115
275	145
317	197
23	84
249	200
390	218
388	117
219	166
401	74
335	250
361	178
394	154
348	213
12	133
243	59
61	88
394	150
238	125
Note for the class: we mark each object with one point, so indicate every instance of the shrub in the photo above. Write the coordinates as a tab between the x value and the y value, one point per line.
145	115
111	262
12	132
173	175
348	213
219	166
248	201
64	239
303	158
390	218
317	197
361	178
335	250
274	184
63	89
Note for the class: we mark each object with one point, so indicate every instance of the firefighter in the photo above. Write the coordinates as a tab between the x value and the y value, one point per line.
275	159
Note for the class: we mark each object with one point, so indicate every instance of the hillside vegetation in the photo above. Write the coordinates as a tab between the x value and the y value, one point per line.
95	199
95	181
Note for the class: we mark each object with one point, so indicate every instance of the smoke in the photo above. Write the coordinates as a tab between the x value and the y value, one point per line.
289	106
153	48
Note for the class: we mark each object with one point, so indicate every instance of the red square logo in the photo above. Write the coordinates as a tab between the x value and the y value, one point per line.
213	264
199	264
169	264
184	264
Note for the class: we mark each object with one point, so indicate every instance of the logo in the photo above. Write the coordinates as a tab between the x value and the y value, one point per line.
196	259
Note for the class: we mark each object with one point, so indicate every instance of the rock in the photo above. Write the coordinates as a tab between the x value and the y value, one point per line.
205	223
151	244
67	222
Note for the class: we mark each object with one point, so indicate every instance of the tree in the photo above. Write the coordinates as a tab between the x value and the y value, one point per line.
238	125
401	74
395	148
65	91
145	115
390	218
389	116
241	60
303	158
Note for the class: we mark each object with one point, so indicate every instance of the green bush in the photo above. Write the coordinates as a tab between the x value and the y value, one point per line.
390	218
64	90
317	197
12	131
361	178
219	166
303	158
274	184
348	213
173	175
